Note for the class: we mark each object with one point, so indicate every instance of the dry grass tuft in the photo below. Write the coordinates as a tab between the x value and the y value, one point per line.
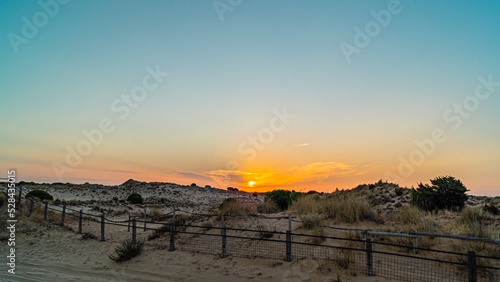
346	208
341	206
409	215
310	220
235	207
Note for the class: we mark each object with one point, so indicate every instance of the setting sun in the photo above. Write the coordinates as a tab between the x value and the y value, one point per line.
251	183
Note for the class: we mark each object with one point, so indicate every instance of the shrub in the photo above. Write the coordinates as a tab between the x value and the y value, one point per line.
399	191
267	207
42	195
446	192
307	204
155	213
127	251
283	198
88	235
135	198
234	207
491	209
475	223
193	184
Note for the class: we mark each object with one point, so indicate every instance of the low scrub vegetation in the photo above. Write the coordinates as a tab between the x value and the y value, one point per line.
283	198
127	250
339	206
235	207
135	198
475	222
310	220
40	194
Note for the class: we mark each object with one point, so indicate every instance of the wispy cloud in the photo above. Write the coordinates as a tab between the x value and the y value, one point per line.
302	145
193	175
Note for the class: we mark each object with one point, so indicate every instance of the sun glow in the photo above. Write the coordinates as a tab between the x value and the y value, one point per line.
251	183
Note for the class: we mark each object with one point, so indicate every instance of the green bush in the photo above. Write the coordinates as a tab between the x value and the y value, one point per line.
127	251
446	192
135	198
42	195
283	198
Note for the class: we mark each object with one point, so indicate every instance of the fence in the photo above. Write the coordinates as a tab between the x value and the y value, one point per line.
358	256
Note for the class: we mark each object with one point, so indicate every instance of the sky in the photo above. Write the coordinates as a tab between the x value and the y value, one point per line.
257	95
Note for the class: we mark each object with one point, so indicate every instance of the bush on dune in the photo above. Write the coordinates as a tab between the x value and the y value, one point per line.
446	192
283	198
135	198
42	195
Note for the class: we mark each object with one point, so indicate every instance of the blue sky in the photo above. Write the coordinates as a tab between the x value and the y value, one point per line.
226	77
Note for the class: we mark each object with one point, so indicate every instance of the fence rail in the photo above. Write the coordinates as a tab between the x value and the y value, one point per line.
361	256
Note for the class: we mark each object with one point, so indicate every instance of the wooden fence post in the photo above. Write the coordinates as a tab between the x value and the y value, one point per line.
19	198
63	215
415	240
128	224
45	211
369	256
80	219
224	238
134	234
145	218
31	205
172	231
471	264
102	227
288	244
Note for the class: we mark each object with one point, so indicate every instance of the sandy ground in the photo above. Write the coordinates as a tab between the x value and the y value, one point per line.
61	255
